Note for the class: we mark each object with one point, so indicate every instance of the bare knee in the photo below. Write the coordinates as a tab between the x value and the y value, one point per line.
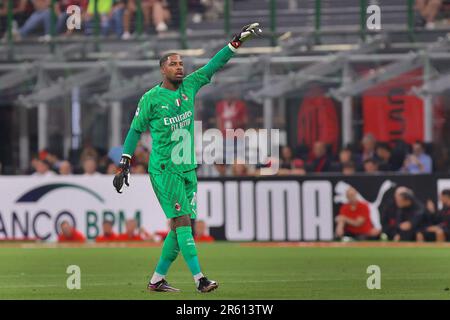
183	221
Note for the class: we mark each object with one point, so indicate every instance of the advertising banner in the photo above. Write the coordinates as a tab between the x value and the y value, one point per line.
390	112
249	209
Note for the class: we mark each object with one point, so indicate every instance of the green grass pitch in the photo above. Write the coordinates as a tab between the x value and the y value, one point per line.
243	272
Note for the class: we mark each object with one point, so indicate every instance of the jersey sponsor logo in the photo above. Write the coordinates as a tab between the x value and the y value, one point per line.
173	120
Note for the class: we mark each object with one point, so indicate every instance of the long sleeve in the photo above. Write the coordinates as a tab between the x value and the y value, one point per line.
131	141
218	61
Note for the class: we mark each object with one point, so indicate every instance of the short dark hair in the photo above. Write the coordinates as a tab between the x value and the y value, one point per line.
107	221
407	196
64	222
420	143
383	145
371	160
165	57
446	192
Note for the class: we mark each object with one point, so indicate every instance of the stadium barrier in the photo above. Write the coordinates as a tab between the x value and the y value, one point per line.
235	209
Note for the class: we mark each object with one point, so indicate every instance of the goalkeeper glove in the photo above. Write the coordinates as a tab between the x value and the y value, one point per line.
246	33
123	174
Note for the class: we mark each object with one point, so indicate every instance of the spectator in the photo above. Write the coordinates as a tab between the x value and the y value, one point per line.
371	166
88	151
18	11
155	11
201	234
368	144
111	15
354	219
221	169
40	16
287	165
133	233
111	169
398	154
319	161
408	216
438	222
383	153
51	158
345	156
239	169
198	8
69	233
428	10
213	9
418	161
298	167
348	168
43	168
139	168
286	158
108	233
65	168
141	154
90	167
441	158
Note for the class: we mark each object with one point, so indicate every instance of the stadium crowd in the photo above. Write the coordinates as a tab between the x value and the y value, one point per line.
404	218
118	17
132	233
367	157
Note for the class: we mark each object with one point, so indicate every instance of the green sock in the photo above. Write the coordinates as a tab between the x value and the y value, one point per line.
188	249
169	253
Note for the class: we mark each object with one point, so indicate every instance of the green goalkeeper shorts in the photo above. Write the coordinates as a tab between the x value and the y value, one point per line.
176	193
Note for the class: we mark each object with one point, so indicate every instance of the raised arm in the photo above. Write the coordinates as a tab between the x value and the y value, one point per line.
222	57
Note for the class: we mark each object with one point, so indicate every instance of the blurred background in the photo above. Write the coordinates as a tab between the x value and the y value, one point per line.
318	74
357	88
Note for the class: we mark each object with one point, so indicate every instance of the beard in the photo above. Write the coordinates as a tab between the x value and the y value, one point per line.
176	82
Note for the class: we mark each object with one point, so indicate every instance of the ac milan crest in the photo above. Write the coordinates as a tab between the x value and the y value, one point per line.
177	206
185	98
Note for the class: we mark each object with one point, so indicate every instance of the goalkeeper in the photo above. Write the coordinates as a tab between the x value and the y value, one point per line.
167	110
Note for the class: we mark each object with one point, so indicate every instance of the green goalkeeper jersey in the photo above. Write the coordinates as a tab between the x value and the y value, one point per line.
169	115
